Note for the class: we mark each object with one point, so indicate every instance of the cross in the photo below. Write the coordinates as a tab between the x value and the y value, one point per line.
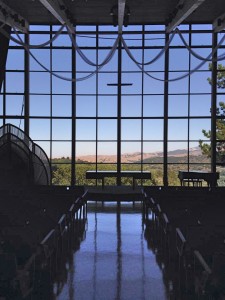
119	84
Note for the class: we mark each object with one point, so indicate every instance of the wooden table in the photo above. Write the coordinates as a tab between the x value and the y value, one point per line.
102	174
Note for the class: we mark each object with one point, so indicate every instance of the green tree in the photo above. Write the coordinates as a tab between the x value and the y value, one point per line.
220	122
61	175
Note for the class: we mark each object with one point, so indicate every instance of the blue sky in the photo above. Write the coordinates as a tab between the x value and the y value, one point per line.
40	105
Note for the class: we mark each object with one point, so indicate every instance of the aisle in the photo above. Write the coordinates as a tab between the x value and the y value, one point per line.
113	262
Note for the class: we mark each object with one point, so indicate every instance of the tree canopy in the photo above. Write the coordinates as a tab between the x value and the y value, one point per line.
220	122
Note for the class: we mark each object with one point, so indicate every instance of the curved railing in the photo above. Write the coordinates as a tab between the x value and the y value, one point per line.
33	147
39	152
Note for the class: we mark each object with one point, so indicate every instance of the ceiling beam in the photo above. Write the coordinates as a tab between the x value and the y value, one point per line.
183	9
59	11
219	23
12	18
121	11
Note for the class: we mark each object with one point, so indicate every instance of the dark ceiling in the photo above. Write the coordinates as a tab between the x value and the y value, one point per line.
98	11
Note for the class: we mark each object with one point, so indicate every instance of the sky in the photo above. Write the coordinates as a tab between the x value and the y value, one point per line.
131	106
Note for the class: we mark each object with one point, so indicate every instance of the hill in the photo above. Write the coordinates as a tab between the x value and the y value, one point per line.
147	157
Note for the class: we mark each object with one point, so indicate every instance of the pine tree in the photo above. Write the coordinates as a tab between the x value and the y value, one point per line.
220	122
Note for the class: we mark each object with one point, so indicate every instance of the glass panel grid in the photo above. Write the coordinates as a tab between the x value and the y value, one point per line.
102	126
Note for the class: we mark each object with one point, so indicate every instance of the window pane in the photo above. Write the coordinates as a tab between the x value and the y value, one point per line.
130	152
181	55
40	129
149	55
127	63
131	130
61	149
40	82
86	106
81	86
104	79
62	40
153	106
15	82
14	105
61	174
178	105
156	174
152	152
153	86
43	56
107	129
59	64
39	105
177	152
135	79
178	86
177	129
205	38
131	106
86	129
153	129
173	170
107	106
61	106
60	86
15	59
200	105
177	40
80	173
86	151
61	130
39	38
107	152
196	128
112	65
199	82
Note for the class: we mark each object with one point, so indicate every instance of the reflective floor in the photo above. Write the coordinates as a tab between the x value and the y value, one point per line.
113	261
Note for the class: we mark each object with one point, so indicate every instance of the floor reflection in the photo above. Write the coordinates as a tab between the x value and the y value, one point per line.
153	239
114	261
64	276
50	281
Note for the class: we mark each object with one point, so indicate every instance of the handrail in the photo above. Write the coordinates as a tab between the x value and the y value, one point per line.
33	147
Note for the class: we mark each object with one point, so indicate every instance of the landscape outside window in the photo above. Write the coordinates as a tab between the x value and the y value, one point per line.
153	112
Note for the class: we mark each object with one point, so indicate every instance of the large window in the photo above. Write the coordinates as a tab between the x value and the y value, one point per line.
98	123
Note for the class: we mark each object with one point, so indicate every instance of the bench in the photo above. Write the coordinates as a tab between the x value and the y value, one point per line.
102	174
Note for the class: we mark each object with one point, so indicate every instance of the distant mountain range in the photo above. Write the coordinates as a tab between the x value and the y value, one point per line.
136	156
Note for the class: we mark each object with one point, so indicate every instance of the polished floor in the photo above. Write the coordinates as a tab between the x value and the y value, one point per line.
113	261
